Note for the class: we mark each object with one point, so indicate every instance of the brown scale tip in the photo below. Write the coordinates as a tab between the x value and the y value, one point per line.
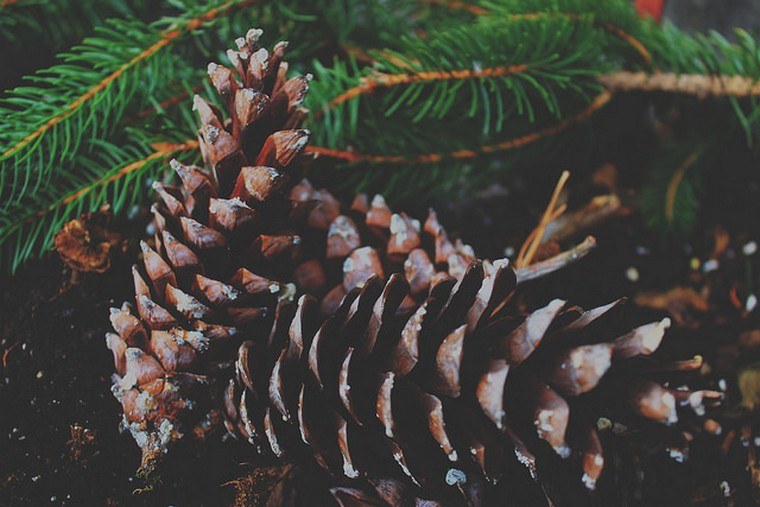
140	368
448	362
277	246
172	354
360	266
641	341
282	147
653	401
342	237
419	271
592	459
223	79
128	326
215	292
179	255
432	226
231	215
360	204
379	214
444	249
405	234
520	343
258	68
290	95
490	391
253	283
258	183
326	210
310	277
217	144
186	304
171	198
207	113
118	347
158	270
156	316
248	106
551	414
193	179
202	236
580	369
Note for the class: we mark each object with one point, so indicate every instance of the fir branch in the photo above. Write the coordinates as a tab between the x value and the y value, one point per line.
54	113
30	229
616	17
54	25
450	77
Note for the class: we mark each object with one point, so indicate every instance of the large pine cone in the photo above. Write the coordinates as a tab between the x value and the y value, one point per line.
412	369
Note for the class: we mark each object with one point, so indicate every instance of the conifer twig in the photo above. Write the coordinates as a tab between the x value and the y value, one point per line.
609	27
699	85
534	240
369	85
427	158
675	181
167	37
557	262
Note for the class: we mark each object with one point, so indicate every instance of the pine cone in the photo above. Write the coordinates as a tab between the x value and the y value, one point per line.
404	363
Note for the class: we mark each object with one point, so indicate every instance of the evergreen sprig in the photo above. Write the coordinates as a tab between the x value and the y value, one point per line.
407	95
450	77
55	25
86	96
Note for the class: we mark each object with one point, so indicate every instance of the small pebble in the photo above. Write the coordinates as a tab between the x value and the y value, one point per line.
39	374
750	248
710	265
632	274
722	384
694	264
677	455
751	303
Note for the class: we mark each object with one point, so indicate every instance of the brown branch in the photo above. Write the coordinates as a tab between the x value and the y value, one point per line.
535	238
595	212
457	5
427	158
557	262
699	85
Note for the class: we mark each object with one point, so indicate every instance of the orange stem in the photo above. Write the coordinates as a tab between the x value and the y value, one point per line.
351	156
371	84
